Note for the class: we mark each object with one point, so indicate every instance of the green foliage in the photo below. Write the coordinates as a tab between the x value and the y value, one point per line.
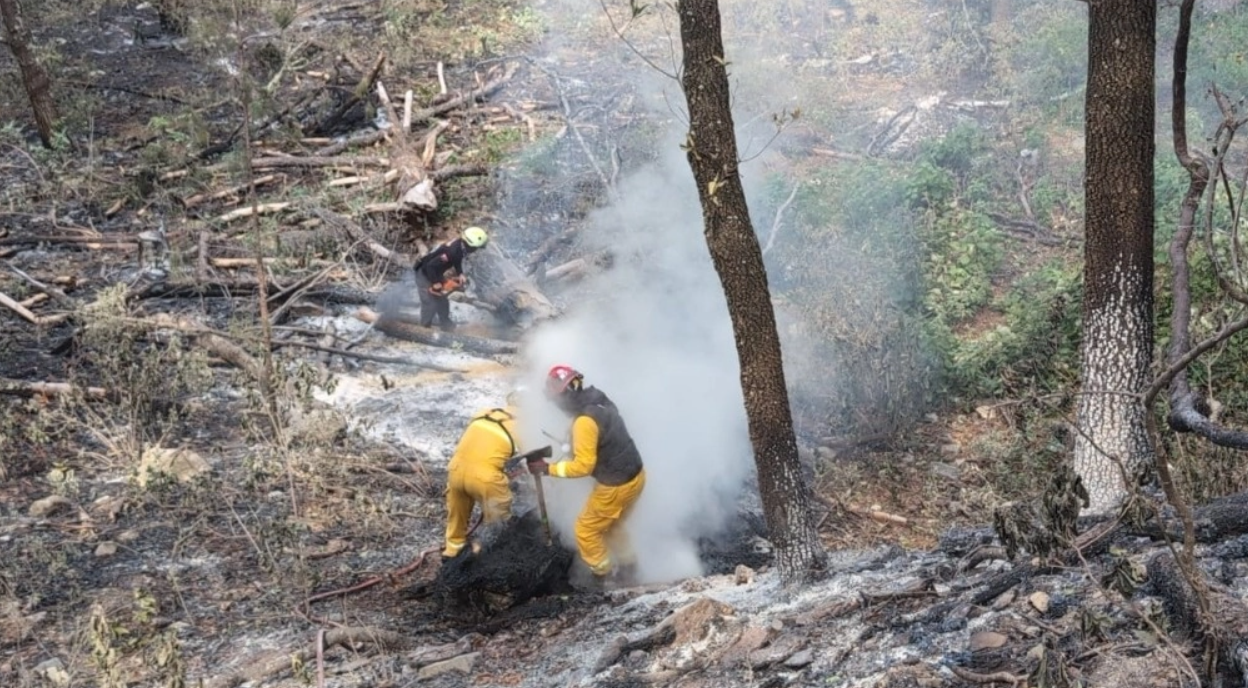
1033	349
1047	56
964	250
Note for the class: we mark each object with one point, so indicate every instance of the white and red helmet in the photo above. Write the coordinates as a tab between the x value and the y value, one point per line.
561	378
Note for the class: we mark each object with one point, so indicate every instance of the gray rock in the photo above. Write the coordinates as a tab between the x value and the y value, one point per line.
49	506
800	659
462	664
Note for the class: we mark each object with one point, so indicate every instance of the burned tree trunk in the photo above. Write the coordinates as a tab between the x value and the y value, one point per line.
34	77
1116	353
712	152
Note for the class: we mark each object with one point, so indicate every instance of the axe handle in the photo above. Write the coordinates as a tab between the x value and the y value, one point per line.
541	505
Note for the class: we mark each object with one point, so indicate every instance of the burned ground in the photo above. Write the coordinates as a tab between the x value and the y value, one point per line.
307	544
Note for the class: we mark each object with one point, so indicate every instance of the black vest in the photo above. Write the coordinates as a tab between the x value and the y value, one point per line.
618	458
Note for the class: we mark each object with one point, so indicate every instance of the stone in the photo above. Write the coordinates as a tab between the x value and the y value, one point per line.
317	427
800	659
54	671
462	664
1040	601
1003	600
987	640
180	464
750	639
49	506
744	574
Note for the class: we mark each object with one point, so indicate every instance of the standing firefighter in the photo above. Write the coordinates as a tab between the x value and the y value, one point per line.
476	474
602	448
441	272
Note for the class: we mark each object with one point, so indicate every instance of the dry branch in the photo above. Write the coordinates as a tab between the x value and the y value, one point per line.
60	296
232	192
320	161
249	211
25	312
48	389
481	93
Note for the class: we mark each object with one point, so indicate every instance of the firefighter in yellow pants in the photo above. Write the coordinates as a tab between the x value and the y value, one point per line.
602	448
476	474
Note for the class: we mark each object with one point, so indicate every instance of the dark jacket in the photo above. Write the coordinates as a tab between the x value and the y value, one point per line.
618	458
435	263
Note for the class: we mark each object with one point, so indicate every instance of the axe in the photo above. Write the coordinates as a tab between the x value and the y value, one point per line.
514	463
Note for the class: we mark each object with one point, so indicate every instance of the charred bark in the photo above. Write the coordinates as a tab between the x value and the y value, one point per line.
1113	446
35	78
712	152
1223	630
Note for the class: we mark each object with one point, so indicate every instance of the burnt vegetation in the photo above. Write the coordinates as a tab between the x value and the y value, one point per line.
204	208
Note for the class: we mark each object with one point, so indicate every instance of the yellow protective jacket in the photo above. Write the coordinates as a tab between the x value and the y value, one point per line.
601	445
475	474
602	448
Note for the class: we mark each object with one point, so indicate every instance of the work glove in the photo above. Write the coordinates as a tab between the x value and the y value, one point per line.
538	467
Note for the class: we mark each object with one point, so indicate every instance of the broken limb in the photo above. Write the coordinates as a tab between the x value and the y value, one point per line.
775	223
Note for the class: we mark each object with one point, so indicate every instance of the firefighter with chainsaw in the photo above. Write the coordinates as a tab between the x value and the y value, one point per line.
477	473
441	273
602	448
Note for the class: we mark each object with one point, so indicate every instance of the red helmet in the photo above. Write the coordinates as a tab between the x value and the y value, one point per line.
561	378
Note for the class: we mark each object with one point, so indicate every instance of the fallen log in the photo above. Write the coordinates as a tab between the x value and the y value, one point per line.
497	280
402	327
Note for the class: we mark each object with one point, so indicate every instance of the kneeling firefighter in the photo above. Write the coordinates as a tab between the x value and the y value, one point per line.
601	447
477	475
441	272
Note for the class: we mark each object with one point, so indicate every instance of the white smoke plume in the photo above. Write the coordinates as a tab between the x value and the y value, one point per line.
653	333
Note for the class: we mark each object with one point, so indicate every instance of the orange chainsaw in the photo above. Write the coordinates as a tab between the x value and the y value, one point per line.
448	286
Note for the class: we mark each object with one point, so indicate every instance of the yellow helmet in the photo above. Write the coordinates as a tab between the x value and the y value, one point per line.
475	237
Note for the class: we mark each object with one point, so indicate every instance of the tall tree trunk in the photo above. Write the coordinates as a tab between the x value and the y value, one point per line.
34	76
1118	255
712	153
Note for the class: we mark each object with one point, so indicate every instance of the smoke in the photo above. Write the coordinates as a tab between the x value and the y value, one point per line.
653	334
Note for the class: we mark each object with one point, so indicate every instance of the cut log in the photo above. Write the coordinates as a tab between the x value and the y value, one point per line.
500	282
401	327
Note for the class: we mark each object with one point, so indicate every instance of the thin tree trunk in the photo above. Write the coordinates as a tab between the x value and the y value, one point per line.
1116	353
34	77
738	259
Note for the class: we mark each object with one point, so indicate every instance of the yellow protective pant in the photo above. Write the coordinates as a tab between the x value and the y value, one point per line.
469	485
600	529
